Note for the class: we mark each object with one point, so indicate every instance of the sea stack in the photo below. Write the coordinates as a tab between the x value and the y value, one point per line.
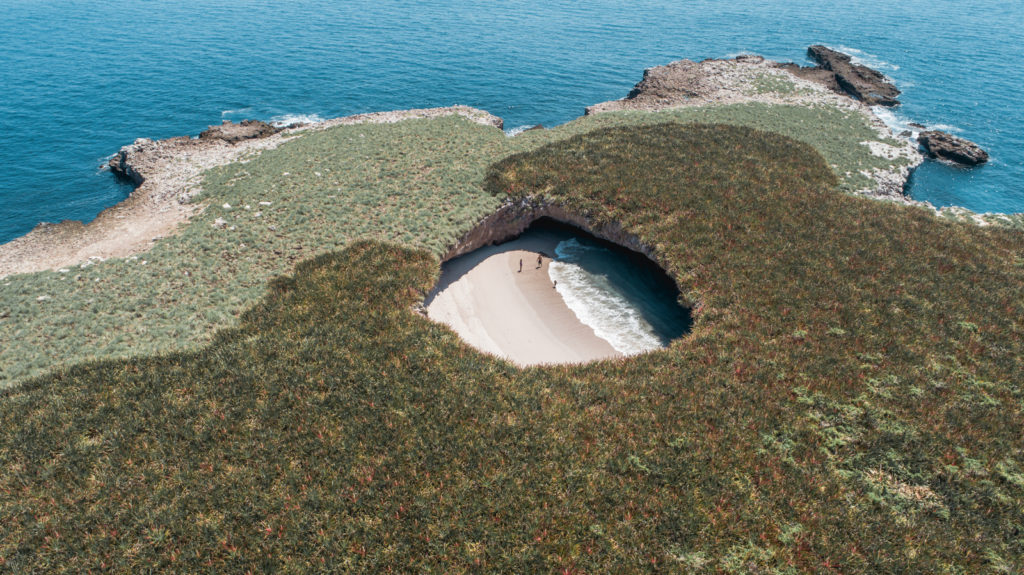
950	148
867	85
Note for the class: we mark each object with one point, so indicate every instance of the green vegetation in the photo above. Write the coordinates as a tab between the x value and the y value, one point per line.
417	182
849	399
837	134
414	182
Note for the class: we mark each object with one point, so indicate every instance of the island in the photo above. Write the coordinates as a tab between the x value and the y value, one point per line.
232	370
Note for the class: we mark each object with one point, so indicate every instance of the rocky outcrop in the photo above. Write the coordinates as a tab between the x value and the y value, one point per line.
714	81
667	84
688	83
134	161
951	148
867	85
233	133
513	218
815	74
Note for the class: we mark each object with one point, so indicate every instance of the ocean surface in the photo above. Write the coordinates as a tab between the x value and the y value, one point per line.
625	298
81	78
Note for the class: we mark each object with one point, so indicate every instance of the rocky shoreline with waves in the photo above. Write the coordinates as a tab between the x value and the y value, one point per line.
168	172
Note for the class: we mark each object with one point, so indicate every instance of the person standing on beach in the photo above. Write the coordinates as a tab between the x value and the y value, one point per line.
520	265
540	260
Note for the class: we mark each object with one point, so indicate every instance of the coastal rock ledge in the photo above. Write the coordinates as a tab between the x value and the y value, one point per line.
133	160
867	85
951	148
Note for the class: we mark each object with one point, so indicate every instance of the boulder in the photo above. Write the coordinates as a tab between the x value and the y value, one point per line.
233	133
951	148
867	85
671	83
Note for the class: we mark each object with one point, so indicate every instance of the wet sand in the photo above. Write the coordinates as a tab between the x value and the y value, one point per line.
511	314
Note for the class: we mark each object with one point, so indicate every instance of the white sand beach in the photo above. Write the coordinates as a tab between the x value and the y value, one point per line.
515	315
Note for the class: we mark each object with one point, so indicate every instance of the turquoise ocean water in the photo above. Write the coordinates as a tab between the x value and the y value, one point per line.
625	298
81	78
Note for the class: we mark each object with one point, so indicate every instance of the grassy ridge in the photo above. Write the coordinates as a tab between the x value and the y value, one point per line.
417	182
849	401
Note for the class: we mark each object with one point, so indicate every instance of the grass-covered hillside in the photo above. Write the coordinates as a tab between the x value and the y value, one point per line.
417	182
849	400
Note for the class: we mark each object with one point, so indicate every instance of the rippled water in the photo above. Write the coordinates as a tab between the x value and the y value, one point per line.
80	78
624	298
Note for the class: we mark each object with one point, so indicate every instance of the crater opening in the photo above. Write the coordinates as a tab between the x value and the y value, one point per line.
557	294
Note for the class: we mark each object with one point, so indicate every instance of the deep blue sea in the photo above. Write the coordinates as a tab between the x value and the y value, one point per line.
81	78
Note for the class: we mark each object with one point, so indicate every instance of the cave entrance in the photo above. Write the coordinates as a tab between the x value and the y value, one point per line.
557	294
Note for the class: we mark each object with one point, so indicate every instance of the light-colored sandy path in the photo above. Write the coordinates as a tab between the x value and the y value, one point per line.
515	315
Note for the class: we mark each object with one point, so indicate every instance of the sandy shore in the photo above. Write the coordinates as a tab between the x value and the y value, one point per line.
515	315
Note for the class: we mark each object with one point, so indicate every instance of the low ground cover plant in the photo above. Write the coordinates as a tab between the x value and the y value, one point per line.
417	182
849	401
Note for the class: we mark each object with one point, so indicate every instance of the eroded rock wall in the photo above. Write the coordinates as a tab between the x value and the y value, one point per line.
513	218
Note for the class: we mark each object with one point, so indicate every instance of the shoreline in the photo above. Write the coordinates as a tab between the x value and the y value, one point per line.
512	314
169	172
751	78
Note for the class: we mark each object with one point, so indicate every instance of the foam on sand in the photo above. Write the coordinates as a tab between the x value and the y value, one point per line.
517	315
598	302
587	300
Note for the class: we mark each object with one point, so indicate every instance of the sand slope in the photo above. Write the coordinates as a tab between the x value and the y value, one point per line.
516	315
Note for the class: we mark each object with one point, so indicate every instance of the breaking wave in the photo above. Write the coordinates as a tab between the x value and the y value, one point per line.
289	119
589	290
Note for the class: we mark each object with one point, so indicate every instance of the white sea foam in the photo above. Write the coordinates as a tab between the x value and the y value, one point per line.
899	123
896	122
513	132
865	59
598	304
239	111
289	119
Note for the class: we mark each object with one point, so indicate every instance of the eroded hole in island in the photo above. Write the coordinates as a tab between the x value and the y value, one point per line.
584	299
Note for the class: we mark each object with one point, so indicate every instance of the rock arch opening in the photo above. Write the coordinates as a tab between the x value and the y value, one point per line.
552	292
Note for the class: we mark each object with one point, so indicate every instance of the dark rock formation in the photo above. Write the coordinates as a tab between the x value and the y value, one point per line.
126	163
513	218
671	82
233	133
817	74
121	168
951	148
867	85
